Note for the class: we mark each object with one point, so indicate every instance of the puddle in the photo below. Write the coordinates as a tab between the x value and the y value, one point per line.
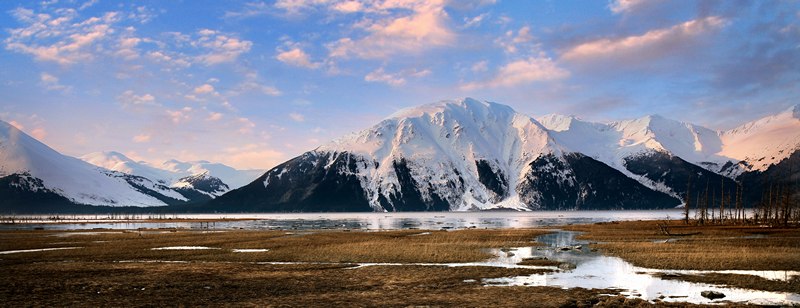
8	252
594	270
250	250
183	248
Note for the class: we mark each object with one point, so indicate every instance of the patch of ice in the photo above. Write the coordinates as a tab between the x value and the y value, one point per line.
250	250
8	252
184	248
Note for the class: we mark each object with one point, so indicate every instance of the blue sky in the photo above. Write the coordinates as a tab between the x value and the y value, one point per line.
254	83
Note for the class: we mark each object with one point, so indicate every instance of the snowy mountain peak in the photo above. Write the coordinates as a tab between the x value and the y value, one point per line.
765	141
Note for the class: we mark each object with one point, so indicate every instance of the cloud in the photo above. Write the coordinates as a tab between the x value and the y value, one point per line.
629	6
252	82
179	116
422	26
214	116
348	6
394	79
474	21
250	9
297	117
39	133
251	156
204	89
653	44
220	48
480	66
52	83
523	71
296	57
129	98
142	138
245	125
58	39
511	42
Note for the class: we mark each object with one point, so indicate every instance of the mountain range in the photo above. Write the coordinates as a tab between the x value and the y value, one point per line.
455	155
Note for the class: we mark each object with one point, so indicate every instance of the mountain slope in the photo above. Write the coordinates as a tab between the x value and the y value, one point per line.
451	155
756	145
38	177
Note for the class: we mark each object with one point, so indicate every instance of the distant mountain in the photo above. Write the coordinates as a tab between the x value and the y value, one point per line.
456	155
234	178
178	174
34	177
451	155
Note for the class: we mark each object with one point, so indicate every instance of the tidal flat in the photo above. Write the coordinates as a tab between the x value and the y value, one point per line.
397	268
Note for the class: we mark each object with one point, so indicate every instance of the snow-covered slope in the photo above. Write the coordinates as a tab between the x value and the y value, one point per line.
451	155
436	139
175	173
119	162
763	142
70	177
613	142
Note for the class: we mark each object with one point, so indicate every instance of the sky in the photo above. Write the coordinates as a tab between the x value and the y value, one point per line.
254	83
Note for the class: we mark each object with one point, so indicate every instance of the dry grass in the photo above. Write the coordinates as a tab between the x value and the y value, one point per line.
227	284
328	246
93	275
711	248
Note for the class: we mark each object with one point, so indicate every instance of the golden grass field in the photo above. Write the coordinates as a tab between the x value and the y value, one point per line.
120	268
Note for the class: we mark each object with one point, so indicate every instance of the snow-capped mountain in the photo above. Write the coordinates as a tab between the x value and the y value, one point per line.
451	155
177	174
658	152
757	145
234	178
119	162
30	168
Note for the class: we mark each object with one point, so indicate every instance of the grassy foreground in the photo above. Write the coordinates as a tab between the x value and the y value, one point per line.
710	247
116	268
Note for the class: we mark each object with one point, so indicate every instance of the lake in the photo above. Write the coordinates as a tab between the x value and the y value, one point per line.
359	221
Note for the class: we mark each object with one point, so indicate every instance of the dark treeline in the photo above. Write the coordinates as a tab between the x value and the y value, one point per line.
771	197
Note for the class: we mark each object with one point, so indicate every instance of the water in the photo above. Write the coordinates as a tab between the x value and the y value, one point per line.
364	221
594	270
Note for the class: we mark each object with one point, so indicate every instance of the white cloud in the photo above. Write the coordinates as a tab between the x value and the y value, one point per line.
251	156
52	83
219	47
348	6
394	79
214	116
179	116
511	42
58	39
649	45
245	125
142	138
129	98
629	6
204	89
297	117
296	57
399	27
474	21
480	66
523	71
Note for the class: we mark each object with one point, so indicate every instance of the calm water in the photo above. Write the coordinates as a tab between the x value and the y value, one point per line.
595	270
366	221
